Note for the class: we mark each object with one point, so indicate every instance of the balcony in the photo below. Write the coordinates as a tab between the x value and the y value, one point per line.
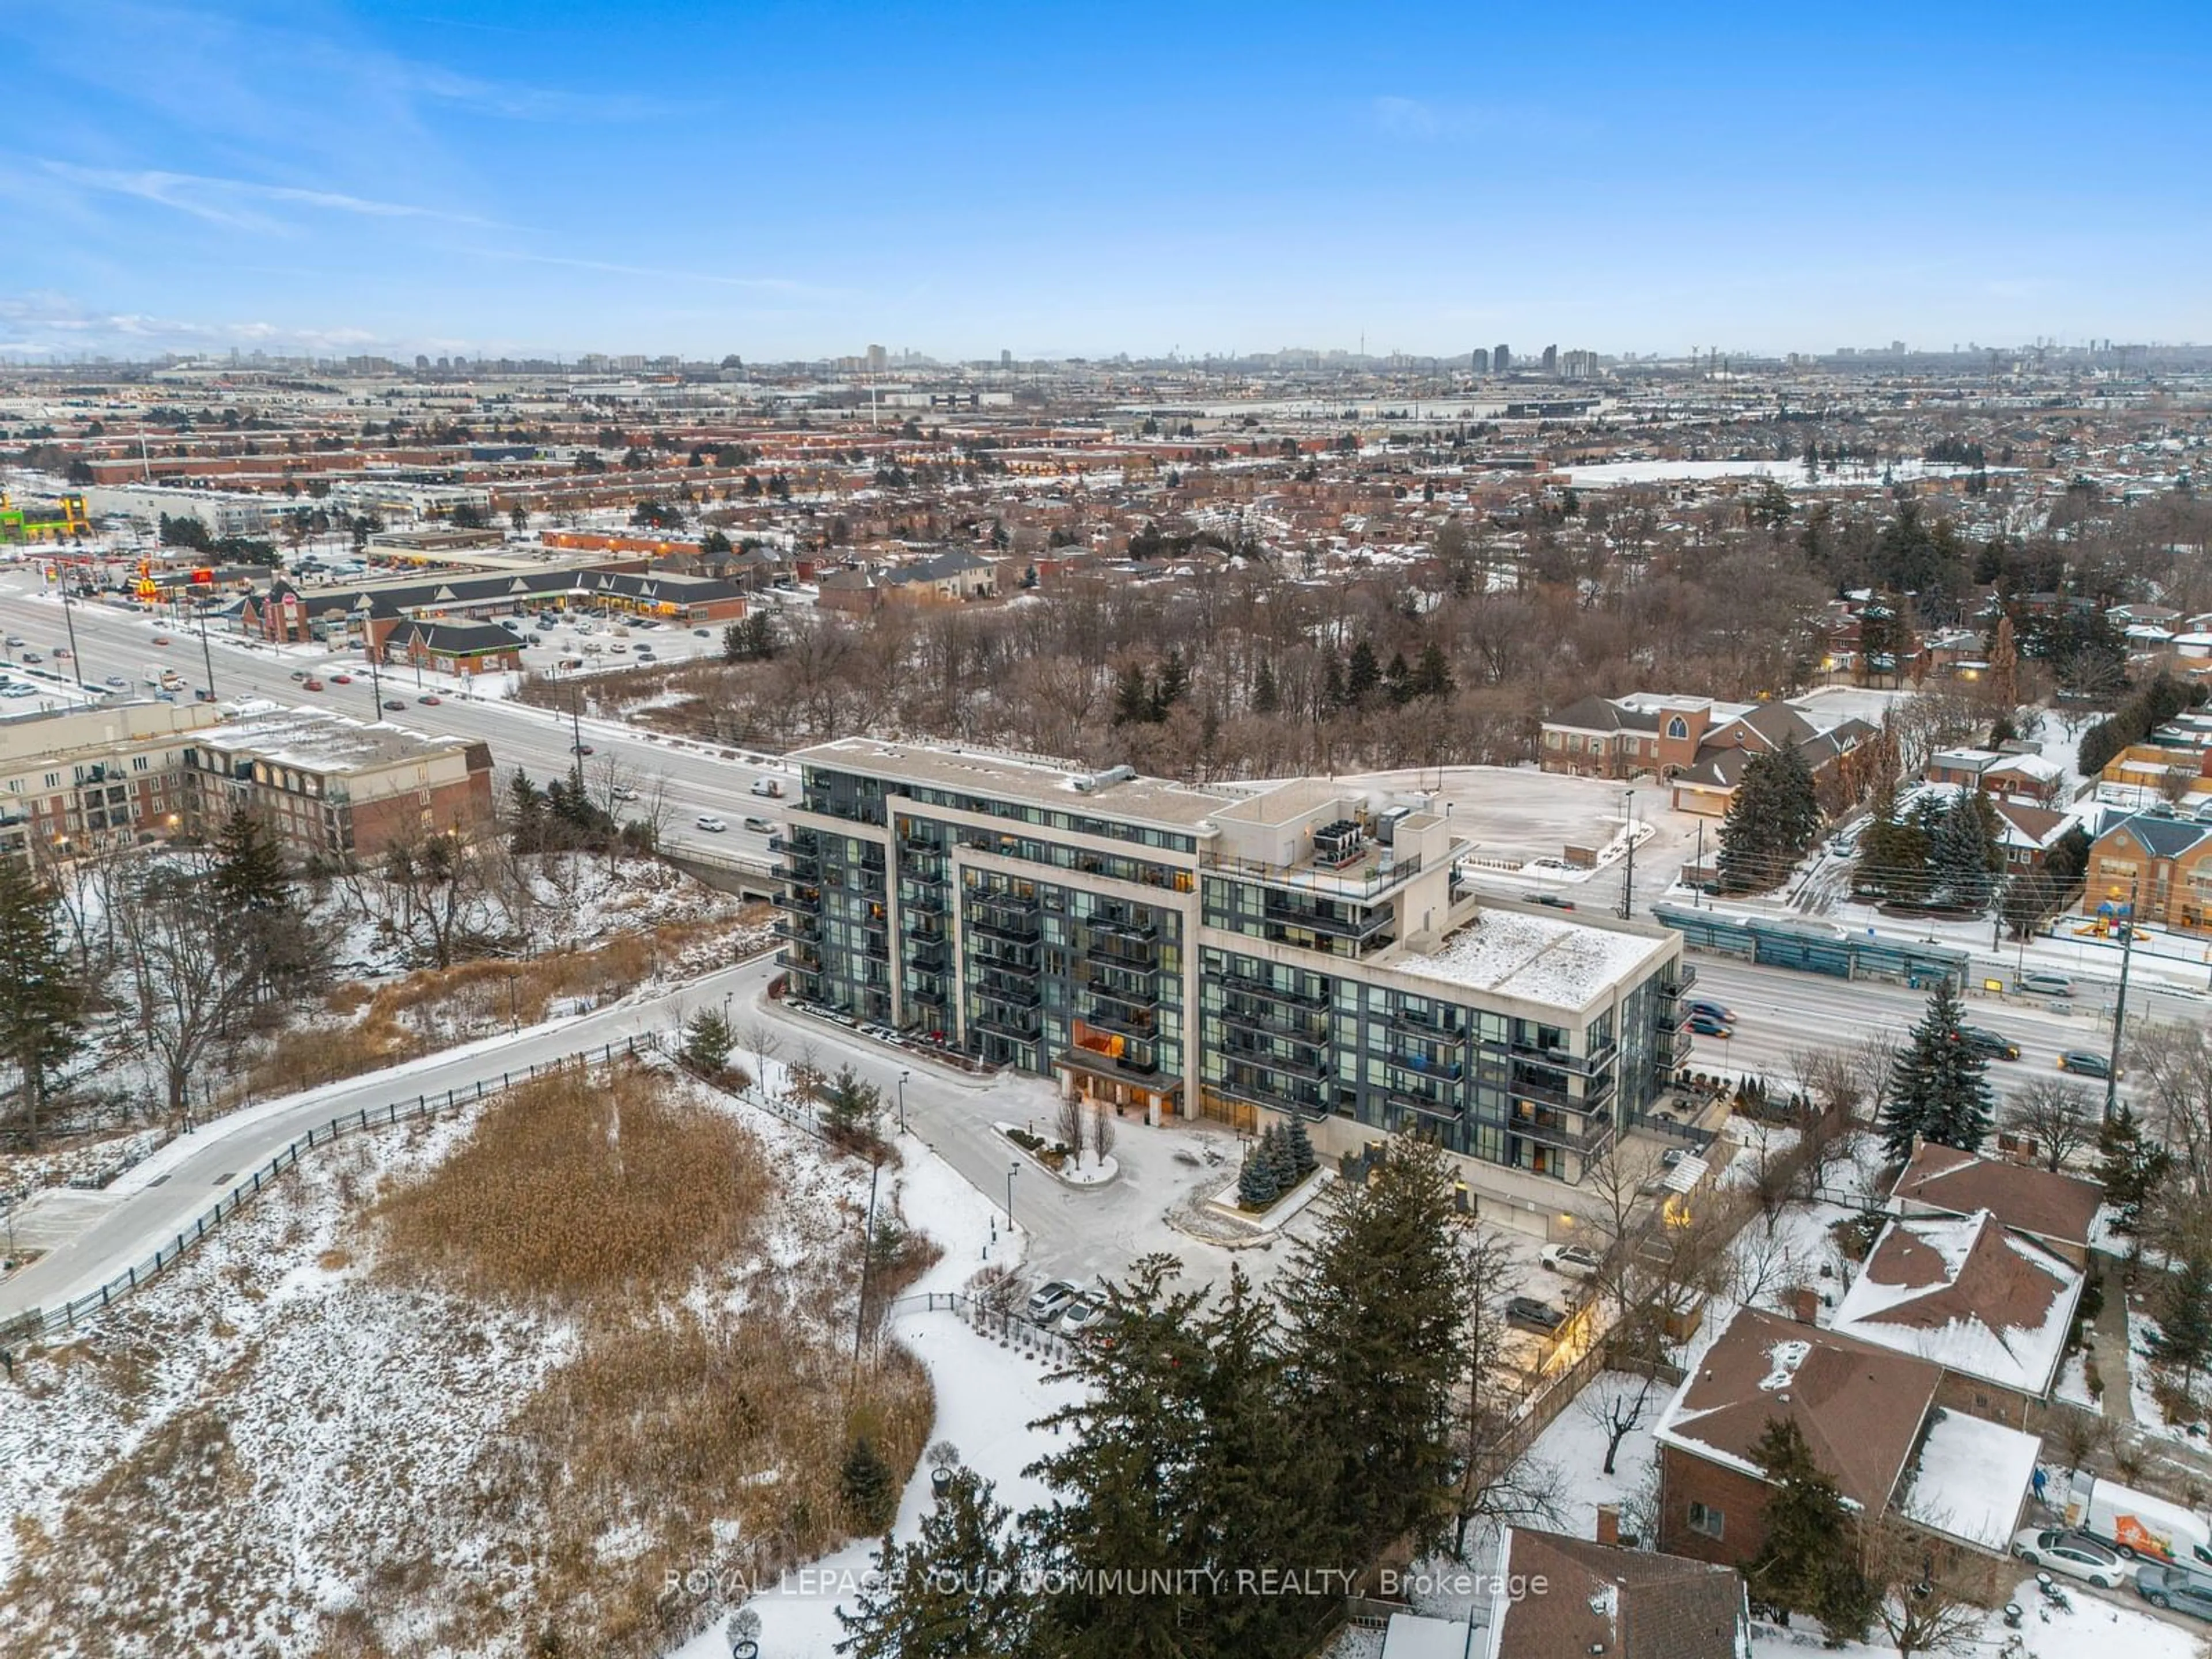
1013	960
1008	919
1425	1025
1124	927
1684	976
1426	1064
1428	1105
1312	1032
1139	1064
1273	993
1358	925
1671	1049
1588	1136
1558	1059
1015	993
1526	1086
923	901
805	929
1116	952
929	996
931	955
1015	1027
1138	997
1315	1069
1129	1022
1306	1100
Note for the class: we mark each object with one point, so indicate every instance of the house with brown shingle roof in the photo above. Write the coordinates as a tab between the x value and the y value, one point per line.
1991	1306
2059	1212
1860	1406
1601	1599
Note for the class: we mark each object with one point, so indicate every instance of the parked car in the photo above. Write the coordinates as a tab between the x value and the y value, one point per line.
708	821
2085	1062
2074	1553
312	684
116	680
1050	1299
622	792
704	633
397	704
2045	985
1553	901
1081	1315
1571	1260
1983	1041
1710	1025
2177	1588
1530	1314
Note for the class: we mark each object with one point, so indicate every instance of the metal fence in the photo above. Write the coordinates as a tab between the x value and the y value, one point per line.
1012	1330
39	1324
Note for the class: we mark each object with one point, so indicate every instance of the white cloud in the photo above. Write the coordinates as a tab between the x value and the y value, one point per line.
221	201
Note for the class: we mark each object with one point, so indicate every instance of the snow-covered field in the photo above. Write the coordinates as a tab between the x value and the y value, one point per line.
281	1446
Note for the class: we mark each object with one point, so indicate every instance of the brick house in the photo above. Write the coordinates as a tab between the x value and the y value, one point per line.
2027	834
2058	1212
1991	1306
1876	1423
1601	1599
452	647
1700	746
2161	864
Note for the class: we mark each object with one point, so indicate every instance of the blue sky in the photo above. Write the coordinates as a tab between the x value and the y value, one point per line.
791	179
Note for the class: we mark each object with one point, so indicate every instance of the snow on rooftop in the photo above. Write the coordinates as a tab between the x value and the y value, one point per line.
1972	1479
1563	962
1785	1357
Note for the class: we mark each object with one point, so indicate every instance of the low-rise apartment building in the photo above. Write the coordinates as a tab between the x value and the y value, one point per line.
1245	953
1697	747
336	790
77	780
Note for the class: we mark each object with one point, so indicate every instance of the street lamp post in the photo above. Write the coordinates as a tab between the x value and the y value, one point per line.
2120	997
1628	885
69	621
902	1078
1012	1169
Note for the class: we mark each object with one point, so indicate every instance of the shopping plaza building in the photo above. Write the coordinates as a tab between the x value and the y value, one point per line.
1242	952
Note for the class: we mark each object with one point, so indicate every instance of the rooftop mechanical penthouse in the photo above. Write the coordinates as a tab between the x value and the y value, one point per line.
1242	952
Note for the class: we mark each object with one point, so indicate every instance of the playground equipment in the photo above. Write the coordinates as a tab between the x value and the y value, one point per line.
23	525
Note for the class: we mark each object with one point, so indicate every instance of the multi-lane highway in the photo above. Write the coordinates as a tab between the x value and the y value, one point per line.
1779	1012
699	779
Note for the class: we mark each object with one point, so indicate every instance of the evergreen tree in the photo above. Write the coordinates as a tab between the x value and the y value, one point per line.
707	1041
1132	698
1807	1564
1772	818
1939	1092
249	873
1266	698
1285	1161
1256	1185
867	1487
1432	675
1173	681
262	933
1375	1303
956	1592
1397	680
1966	854
2183	1342
41	1000
849	1108
1364	674
2130	1167
1302	1148
1332	697
1178	1462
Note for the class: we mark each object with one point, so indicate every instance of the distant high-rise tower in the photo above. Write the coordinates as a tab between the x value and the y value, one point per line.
1501	359
878	359
1551	360
1006	359
1478	361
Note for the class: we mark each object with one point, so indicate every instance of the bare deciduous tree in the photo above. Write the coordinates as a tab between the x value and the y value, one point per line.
1070	1123
1102	1129
2061	1117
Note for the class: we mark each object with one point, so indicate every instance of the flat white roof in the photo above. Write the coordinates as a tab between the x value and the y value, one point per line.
1973	1479
1541	958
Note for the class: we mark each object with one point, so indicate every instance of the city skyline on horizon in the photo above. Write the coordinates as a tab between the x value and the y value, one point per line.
356	177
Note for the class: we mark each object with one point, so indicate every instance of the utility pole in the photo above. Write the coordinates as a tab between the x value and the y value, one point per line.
76	662
1628	886
1698	881
867	1255
207	659
2120	1000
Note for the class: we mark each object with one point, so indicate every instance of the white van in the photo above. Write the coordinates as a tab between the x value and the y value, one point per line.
2136	1524
769	788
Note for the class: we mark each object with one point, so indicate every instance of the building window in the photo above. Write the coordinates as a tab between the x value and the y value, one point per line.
1678	727
1704	1518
